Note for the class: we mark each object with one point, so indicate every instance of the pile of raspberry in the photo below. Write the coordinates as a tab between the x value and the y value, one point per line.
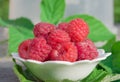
64	42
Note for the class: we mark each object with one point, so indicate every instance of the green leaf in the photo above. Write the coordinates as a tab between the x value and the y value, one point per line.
113	61
16	36
23	22
19	72
104	67
107	47
52	10
24	75
19	29
96	76
3	23
116	57
108	62
98	31
111	77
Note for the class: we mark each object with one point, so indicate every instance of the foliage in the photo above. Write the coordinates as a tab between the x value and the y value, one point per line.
97	28
4	8
52	10
117	10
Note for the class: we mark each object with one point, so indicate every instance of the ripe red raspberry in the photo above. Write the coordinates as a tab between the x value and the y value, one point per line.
39	49
43	29
64	52
63	26
86	50
23	49
78	30
58	36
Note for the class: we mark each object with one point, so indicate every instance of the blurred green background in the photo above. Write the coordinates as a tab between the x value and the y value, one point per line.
117	11
4	9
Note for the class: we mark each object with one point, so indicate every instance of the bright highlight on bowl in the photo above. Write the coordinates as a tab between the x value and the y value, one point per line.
60	70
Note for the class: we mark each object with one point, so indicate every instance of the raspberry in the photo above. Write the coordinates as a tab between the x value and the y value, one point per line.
43	29
23	49
63	26
78	30
86	50
58	36
39	49
64	52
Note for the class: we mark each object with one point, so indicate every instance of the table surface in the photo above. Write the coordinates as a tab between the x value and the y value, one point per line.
6	70
6	65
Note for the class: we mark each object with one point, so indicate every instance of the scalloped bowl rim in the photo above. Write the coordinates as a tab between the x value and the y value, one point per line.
102	56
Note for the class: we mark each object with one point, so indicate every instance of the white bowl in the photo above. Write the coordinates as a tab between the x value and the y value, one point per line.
60	70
